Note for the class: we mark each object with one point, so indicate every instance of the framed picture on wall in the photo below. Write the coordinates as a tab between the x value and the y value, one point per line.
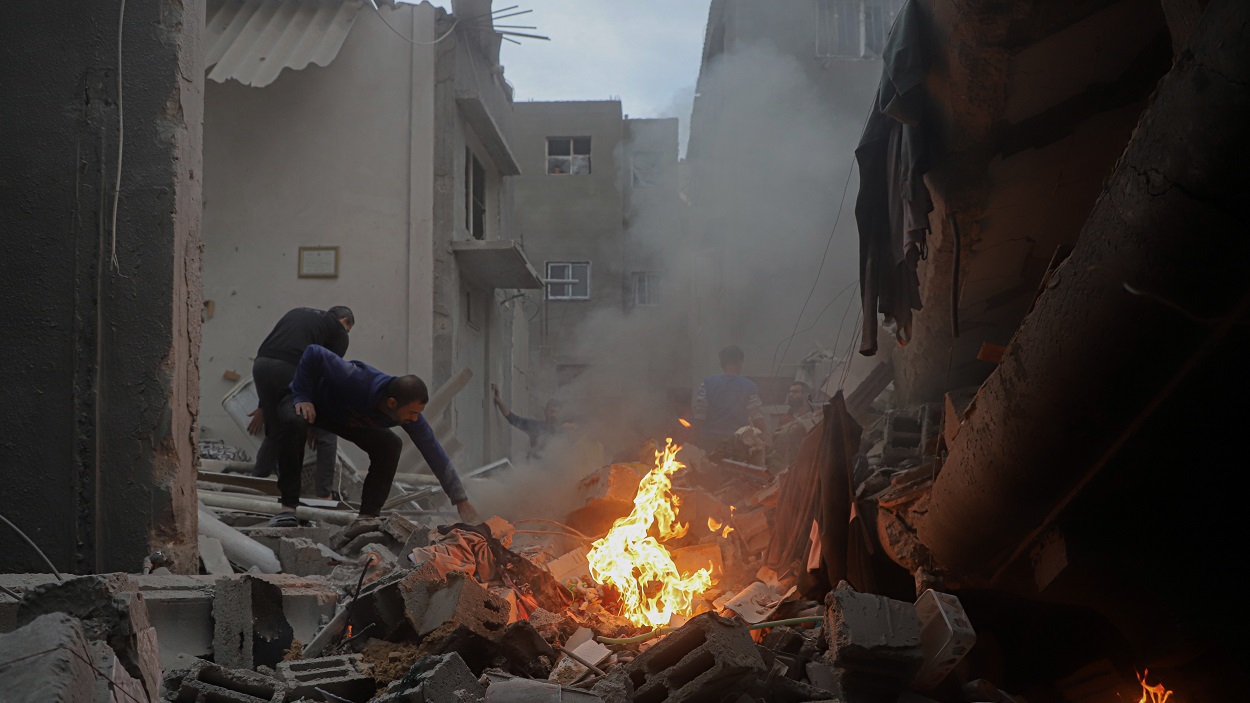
318	262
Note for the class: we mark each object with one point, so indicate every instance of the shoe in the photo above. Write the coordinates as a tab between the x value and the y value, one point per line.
284	519
334	495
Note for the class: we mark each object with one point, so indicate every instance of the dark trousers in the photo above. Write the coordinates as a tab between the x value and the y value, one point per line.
382	445
272	379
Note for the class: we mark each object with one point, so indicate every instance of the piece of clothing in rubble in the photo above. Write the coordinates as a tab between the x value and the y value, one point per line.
346	396
893	205
539	432
723	404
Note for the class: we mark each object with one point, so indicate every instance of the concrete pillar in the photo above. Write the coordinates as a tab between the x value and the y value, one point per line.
99	371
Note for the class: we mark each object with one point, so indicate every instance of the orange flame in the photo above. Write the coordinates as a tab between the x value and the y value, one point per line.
684	422
636	564
713	525
727	531
1152	694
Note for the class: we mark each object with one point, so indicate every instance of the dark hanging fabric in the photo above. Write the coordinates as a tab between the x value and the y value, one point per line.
893	205
843	546
799	502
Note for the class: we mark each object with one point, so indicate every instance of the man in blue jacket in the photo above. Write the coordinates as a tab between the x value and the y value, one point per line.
726	402
360	404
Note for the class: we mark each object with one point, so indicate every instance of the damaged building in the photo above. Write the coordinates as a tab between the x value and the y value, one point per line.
1022	487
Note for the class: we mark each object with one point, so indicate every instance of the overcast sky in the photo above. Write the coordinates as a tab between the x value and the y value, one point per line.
644	52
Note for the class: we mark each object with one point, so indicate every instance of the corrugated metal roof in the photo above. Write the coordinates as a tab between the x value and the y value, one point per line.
251	41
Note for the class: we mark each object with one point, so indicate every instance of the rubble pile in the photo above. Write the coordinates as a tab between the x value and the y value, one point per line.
399	610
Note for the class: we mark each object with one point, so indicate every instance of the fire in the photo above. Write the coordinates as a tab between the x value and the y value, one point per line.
713	525
1152	694
684	422
636	564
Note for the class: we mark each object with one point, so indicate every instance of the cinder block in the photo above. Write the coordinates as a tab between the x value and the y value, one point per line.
203	681
232	623
344	676
874	642
119	686
435	679
63	675
461	616
700	662
272	536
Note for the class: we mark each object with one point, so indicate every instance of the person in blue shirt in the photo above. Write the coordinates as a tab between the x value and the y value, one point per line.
541	431
360	404
726	402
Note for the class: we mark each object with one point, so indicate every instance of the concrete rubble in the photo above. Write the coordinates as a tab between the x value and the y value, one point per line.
398	611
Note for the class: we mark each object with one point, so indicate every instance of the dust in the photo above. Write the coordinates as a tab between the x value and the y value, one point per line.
390	661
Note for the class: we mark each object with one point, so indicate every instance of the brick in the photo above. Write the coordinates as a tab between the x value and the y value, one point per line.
203	681
874	642
343	676
700	662
435	679
62	675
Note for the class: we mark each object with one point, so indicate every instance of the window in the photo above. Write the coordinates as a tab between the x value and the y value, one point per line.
568	156
474	195
568	280
647	167
646	287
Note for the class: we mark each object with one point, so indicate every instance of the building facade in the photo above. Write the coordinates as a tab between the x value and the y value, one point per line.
598	206
379	179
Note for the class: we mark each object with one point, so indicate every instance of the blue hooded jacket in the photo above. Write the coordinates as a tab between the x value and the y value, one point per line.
348	393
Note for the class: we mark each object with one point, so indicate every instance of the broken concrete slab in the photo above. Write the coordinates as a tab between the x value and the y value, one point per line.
62	674
435	679
304	557
232	623
616	687
526	652
874	642
514	689
699	662
112	610
272	536
198	680
343	676
113	683
464	617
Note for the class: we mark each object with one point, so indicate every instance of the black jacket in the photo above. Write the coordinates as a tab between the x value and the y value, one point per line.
299	328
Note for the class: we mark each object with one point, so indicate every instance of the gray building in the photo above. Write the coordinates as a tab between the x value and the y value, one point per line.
379	179
598	207
781	102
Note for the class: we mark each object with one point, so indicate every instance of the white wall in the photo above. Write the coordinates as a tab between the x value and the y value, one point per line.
337	156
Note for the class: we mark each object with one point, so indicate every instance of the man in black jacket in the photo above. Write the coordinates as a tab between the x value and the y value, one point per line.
273	371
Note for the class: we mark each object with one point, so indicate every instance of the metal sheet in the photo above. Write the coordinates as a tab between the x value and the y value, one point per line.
252	41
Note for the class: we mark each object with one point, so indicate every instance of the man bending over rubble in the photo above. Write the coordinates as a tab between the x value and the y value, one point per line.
360	404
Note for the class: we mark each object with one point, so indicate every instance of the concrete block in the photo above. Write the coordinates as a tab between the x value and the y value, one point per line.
304	557
272	536
461	616
306	602
232	623
111	609
201	682
616	687
872	630
214	557
435	679
703	660
62	675
521	690
526	652
116	685
344	676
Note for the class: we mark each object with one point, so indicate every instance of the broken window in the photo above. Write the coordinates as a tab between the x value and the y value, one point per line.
474	195
568	280
647	167
568	156
646	287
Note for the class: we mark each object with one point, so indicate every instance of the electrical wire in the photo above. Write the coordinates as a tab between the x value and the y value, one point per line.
557	524
815	321
833	231
121	132
33	546
413	41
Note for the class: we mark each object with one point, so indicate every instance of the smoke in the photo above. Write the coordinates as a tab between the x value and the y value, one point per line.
771	147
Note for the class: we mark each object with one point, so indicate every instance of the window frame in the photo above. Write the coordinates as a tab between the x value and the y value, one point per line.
652	282
570	281
573	153
475	207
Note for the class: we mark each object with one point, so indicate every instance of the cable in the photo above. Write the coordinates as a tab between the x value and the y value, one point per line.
34	546
121	132
818	316
665	630
401	36
11	593
845	186
558	524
